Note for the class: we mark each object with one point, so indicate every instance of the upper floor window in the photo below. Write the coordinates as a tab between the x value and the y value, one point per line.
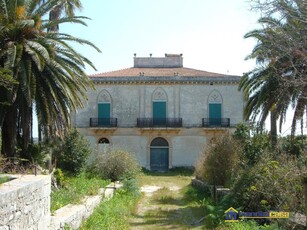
104	107
159	105
215	102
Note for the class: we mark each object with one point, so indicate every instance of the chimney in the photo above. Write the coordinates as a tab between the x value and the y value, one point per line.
169	61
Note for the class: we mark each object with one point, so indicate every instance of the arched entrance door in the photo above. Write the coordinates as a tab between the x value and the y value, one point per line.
159	154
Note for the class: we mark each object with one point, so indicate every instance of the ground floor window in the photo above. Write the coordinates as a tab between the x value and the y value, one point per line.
103	145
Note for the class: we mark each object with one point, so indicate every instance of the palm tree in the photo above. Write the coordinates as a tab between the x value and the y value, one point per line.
49	71
272	87
68	7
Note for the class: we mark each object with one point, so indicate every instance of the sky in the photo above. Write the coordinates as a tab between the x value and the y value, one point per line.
209	34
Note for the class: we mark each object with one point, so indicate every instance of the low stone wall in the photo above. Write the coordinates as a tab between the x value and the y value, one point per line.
25	203
202	186
217	192
73	215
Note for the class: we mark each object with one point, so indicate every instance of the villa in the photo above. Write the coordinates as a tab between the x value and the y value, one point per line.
159	110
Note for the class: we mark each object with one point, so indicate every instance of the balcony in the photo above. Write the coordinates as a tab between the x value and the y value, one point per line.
159	122
103	122
216	122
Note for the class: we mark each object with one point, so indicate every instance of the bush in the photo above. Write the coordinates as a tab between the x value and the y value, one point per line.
59	178
39	154
295	146
253	143
271	184
217	163
115	165
73	154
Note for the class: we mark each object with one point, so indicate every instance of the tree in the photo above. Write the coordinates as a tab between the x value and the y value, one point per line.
50	72
62	6
279	81
73	154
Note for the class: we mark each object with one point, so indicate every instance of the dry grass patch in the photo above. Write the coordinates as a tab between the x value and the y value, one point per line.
167	206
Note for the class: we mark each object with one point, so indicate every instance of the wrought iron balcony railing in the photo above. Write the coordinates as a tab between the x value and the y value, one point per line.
216	122
159	122
103	122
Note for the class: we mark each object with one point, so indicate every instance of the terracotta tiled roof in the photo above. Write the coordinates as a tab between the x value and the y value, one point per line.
158	72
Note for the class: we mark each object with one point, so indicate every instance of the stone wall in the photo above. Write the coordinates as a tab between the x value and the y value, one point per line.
72	216
25	203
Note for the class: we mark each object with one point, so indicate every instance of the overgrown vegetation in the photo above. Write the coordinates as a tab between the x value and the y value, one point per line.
114	213
218	161
115	165
72	154
260	178
74	189
4	179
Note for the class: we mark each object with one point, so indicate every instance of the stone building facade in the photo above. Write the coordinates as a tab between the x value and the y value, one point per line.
161	111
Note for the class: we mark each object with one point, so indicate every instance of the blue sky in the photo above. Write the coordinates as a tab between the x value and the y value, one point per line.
209	34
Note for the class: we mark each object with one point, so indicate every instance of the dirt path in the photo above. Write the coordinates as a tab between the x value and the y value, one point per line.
165	204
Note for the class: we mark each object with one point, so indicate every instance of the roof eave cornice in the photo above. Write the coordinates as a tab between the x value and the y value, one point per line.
175	79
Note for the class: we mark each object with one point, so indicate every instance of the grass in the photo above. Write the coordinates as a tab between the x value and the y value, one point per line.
74	190
175	205
4	179
114	213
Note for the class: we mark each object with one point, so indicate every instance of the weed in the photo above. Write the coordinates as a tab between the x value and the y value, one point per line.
75	189
4	179
114	213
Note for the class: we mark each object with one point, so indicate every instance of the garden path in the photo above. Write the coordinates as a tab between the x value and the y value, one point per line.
165	203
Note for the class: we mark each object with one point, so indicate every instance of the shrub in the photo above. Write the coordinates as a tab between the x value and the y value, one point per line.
39	154
59	177
294	146
217	163
131	187
115	165
72	155
253	143
271	184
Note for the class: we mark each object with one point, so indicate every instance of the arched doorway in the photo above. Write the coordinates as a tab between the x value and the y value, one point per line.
159	154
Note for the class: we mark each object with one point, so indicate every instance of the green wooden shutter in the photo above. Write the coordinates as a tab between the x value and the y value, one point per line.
104	111
215	114
159	113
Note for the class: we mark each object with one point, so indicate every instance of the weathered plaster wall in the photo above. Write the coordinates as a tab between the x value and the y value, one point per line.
25	203
186	101
185	145
186	149
190	102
